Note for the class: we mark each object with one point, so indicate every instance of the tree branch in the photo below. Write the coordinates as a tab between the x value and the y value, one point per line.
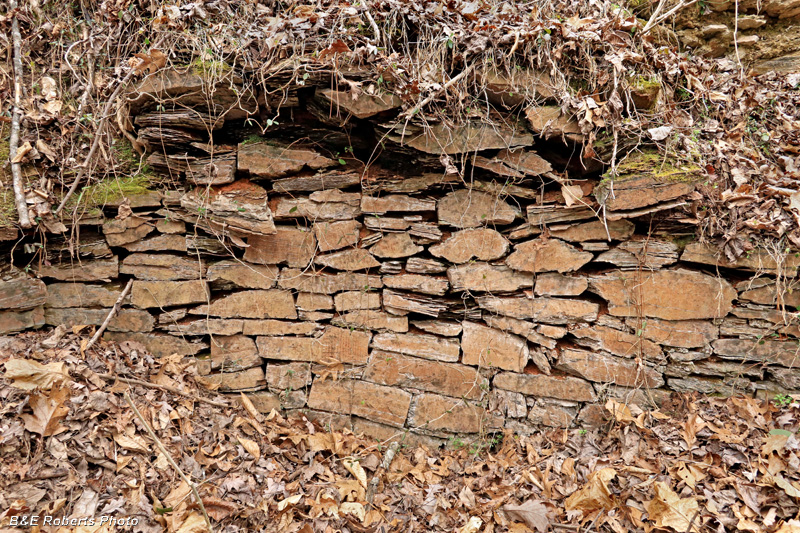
111	314
170	460
13	142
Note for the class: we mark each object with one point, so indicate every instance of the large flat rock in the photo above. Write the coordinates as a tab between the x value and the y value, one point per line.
493	348
758	261
669	294
551	255
469	209
545	310
271	303
602	368
20	291
466	138
270	161
483	244
289	246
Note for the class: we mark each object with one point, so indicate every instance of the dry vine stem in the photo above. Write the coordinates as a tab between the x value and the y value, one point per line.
13	142
170	460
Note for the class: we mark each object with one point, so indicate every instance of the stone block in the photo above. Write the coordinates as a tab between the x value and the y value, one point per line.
450	379
489	347
431	412
377	403
147	294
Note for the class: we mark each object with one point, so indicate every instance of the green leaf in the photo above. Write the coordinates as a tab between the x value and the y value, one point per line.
163	510
342	161
780	432
292	210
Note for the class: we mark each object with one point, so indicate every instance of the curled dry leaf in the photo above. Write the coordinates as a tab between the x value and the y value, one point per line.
354	509
48	412
26	374
291	500
473	525
595	494
355	468
251	447
667	509
134	444
532	512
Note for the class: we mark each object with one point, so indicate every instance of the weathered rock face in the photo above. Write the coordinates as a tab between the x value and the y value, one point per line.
482	244
470	209
547	256
667	294
269	161
289	246
420	293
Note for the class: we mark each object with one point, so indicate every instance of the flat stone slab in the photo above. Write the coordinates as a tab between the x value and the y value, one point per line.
669	294
270	161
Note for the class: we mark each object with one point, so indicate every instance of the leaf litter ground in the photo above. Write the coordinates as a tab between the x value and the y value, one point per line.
71	446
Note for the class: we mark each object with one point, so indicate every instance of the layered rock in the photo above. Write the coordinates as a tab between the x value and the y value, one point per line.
421	293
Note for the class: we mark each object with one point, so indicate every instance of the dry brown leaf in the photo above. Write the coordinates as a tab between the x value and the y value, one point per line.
291	500
473	525
219	509
26	374
48	412
353	509
194	523
251	447
792	526
667	509
572	194
134	444
152	62
355	468
595	494
532	512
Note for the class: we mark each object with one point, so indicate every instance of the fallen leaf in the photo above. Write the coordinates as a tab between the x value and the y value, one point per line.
595	494
134	444
28	375
572	194
219	509
291	500
355	468
472	526
660	133
532	512
251	447
669	510
194	523
48	412
354	509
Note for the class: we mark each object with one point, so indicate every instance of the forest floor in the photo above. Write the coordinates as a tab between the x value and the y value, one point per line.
113	432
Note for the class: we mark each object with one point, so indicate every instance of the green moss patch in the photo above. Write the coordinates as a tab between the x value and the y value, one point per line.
656	165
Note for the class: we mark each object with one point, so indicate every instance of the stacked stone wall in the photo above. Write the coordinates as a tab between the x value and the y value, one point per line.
394	298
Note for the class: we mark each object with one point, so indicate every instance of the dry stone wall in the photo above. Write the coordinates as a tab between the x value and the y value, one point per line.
397	299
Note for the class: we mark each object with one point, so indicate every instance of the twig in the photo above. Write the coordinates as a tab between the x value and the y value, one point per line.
431	96
387	462
166	388
375	29
691	522
111	315
655	21
170	460
13	142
